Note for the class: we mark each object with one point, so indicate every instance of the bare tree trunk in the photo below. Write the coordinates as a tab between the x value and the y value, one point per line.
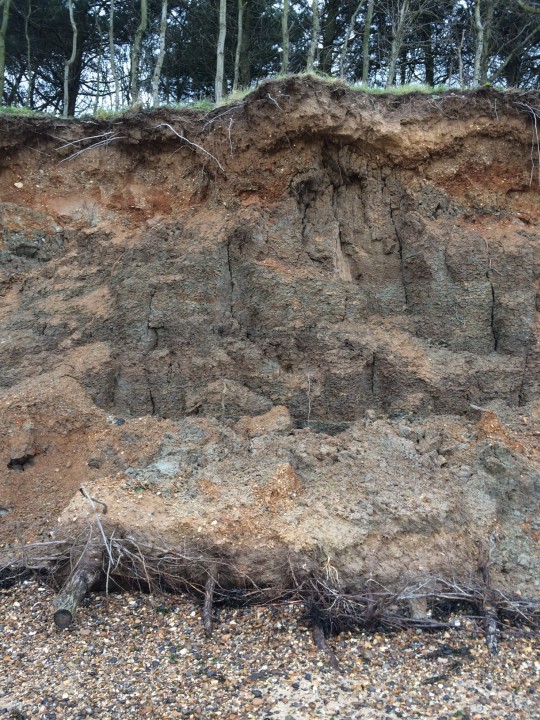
114	71
3	31
220	60
161	54
285	37
69	63
479	27
99	66
488	29
348	36
136	52
365	43
399	27
329	33
426	34
31	76
459	52
315	27
239	43
244	75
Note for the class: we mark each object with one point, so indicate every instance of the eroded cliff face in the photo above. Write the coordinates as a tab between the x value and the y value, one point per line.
364	269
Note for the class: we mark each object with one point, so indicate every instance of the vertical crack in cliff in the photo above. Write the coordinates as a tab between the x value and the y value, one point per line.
372	375
489	271
401	262
231	278
492	319
521	393
114	389
341	261
385	195
151	330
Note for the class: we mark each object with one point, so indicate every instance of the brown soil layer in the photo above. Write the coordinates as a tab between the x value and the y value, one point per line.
261	330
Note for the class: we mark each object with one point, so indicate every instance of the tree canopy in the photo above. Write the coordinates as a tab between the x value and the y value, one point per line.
77	56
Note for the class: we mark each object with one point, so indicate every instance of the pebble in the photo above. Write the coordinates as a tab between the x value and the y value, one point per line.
147	657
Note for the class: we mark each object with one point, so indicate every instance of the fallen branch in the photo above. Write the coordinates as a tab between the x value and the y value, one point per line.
86	572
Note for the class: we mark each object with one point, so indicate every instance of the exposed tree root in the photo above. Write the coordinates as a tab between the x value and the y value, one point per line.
331	606
320	641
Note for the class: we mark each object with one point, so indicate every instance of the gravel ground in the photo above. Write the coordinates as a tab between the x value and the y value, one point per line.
148	657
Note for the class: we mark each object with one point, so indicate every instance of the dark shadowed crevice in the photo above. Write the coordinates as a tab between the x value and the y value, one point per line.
492	321
521	393
22	463
231	278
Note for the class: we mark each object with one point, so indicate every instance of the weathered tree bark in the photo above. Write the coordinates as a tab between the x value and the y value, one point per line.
365	42
488	32
220	59
75	78
4	4
285	37
239	43
208	605
114	71
136	53
83	577
329	32
69	63
399	26
31	75
244	73
489	611
459	53
161	55
479	51
348	36
315	27
426	31
99	68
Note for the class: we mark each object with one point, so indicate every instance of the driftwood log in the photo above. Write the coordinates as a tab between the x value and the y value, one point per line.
86	572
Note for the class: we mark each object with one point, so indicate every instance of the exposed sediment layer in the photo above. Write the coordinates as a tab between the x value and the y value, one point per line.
356	270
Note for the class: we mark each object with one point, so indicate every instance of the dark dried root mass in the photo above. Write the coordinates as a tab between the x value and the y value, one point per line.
331	608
